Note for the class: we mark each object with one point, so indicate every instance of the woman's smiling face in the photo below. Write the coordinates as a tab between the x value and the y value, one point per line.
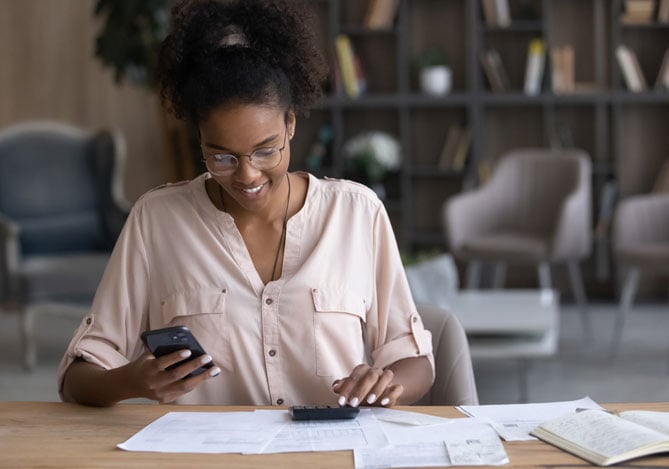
241	130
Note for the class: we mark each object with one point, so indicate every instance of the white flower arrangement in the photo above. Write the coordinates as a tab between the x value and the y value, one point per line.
372	154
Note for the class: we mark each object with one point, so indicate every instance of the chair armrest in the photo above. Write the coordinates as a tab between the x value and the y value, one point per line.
469	214
572	233
641	219
572	238
9	254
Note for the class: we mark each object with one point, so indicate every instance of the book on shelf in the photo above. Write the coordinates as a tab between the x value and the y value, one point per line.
462	151
663	12
350	69
562	69
662	81
494	70
603	438
381	14
631	70
534	70
638	12
450	147
503	13
489	12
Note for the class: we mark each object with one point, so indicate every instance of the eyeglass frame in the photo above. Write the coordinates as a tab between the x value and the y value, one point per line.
249	156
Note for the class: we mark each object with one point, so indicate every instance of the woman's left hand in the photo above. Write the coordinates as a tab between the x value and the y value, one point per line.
368	386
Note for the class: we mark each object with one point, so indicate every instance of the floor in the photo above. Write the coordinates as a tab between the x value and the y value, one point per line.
639	373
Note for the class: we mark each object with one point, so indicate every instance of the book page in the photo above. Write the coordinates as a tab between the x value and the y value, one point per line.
601	432
658	421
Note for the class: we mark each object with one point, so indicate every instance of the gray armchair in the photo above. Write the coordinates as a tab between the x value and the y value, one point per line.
61	210
640	243
454	382
535	209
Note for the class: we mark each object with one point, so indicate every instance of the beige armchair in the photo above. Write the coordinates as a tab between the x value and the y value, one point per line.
640	242
535	209
454	382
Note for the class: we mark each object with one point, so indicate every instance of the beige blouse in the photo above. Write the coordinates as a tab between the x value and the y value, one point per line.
343	298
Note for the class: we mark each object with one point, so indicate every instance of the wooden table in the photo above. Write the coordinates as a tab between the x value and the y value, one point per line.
52	434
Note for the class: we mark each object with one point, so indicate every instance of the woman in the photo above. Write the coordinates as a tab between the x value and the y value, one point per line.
293	285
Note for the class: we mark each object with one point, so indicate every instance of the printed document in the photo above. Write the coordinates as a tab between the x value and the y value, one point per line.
514	422
208	432
261	431
328	435
460	442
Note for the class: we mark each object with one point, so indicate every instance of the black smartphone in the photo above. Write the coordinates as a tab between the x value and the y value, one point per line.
170	339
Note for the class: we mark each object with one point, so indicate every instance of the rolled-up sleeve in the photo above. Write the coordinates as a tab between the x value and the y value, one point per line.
394	328
108	335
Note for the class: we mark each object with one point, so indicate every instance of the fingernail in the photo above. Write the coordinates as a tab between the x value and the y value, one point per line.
185	353
205	359
371	398
342	400
385	401
214	371
354	402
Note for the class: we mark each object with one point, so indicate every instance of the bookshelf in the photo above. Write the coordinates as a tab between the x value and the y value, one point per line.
601	115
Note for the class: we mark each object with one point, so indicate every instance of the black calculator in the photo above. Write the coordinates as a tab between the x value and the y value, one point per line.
323	412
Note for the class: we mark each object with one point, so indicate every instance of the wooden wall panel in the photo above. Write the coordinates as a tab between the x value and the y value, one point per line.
48	71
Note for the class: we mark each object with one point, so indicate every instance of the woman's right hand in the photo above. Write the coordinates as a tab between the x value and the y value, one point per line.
158	383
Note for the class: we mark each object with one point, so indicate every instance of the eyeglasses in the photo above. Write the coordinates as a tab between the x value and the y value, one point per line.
265	158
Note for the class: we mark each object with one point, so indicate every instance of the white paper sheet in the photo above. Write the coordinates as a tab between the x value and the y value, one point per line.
459	442
208	432
514	422
407	418
335	435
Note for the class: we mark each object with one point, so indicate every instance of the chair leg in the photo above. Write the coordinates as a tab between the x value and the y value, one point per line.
473	275
499	275
576	280
28	336
544	273
626	299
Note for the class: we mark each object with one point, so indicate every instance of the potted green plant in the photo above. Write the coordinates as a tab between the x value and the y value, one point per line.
129	37
434	72
369	156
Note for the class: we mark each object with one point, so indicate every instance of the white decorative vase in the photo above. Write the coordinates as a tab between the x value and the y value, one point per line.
436	80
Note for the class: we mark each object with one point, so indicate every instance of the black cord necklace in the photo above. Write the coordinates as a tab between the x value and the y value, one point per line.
282	239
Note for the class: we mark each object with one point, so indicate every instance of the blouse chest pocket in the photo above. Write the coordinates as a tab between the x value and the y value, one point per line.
203	311
338	331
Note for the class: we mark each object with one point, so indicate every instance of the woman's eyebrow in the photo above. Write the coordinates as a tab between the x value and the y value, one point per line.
259	144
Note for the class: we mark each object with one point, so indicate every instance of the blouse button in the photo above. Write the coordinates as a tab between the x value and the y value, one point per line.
415	319
272	353
223	290
269	301
279	401
88	320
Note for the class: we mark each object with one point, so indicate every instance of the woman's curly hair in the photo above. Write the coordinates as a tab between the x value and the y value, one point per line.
239	51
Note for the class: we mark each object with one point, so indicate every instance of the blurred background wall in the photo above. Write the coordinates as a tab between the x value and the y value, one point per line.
48	71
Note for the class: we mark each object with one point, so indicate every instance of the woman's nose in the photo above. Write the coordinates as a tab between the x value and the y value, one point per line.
245	170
